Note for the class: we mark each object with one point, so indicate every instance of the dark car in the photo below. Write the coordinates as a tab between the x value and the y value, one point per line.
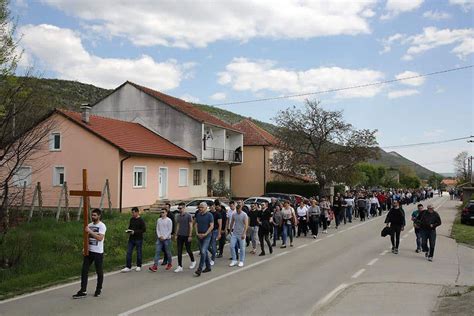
281	197
467	215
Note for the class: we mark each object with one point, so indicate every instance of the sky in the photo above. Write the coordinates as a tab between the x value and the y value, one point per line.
216	52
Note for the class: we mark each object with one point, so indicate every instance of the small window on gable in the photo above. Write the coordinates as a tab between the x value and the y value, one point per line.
139	177
55	142
59	176
183	177
22	175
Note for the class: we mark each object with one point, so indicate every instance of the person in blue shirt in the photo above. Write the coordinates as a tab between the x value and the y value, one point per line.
204	222
414	215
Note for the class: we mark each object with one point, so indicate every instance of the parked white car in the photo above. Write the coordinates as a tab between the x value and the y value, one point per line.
191	207
256	199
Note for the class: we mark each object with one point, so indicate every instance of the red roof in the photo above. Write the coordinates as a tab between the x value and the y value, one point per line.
132	138
255	135
185	107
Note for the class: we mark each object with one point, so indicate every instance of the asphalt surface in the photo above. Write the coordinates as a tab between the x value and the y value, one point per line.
331	275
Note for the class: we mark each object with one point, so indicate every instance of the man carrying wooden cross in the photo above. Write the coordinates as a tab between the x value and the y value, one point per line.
96	231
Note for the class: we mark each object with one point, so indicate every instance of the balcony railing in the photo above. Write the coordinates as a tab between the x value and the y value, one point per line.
222	154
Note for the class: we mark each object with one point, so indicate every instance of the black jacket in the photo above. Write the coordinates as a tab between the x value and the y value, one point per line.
396	217
426	219
138	226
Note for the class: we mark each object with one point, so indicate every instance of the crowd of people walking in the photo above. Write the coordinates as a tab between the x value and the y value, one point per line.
267	225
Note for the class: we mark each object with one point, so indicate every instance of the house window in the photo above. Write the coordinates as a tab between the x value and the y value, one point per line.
221	176
183	177
139	177
197	177
22	175
59	176
55	142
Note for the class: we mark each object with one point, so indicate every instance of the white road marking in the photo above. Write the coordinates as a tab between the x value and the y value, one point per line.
301	246
412	230
372	262
191	288
329	236
357	274
328	297
383	253
405	236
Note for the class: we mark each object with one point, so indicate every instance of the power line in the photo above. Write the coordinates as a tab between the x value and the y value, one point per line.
345	88
427	143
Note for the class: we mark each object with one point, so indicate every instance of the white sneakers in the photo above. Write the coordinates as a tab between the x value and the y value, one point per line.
241	264
178	269
211	262
125	270
138	269
234	263
193	265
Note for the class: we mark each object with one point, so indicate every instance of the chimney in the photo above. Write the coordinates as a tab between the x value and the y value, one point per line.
86	112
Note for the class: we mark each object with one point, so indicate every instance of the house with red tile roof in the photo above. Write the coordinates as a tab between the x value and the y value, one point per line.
139	164
251	177
217	145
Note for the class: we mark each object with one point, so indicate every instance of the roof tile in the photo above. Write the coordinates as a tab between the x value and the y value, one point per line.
255	135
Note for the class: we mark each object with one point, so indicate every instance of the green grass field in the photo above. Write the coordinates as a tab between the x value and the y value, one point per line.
46	252
462	233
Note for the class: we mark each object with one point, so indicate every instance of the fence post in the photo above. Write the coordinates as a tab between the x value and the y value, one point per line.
109	200
79	210
66	200
35	194
40	200
58	212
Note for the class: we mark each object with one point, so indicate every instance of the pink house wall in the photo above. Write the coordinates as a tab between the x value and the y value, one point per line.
150	193
80	149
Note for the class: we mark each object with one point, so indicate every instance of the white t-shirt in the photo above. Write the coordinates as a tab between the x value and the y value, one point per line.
95	245
301	211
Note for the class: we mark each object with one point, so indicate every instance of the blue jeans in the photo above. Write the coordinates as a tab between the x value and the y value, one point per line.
287	232
237	240
418	238
203	247
213	244
349	213
132	243
164	245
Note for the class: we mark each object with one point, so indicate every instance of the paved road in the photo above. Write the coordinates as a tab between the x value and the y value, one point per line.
302	280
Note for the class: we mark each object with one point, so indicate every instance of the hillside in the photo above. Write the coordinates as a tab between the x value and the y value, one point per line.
71	94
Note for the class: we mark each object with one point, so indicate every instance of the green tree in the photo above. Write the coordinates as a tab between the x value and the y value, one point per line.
408	178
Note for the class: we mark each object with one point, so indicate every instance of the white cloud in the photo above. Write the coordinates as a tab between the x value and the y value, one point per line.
402	93
189	98
395	7
264	75
218	96
61	50
466	5
187	24
439	90
410	82
436	15
431	38
388	42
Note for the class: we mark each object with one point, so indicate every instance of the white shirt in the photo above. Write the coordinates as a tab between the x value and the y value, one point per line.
95	245
301	211
350	201
230	213
164	227
374	200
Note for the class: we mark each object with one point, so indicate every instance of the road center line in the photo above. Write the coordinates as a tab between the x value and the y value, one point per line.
191	288
329	236
328	297
301	246
357	274
383	253
372	262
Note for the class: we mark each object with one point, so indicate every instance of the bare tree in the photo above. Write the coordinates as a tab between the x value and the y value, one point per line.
21	111
461	167
321	143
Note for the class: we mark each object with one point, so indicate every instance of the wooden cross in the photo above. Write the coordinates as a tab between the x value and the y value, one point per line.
85	194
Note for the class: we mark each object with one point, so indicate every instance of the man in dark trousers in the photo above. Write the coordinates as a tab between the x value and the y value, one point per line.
396	221
96	231
136	228
428	220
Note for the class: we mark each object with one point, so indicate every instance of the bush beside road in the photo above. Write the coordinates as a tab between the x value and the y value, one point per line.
462	233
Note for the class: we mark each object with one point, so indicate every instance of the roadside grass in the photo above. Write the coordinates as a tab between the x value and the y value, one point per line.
46	253
462	233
